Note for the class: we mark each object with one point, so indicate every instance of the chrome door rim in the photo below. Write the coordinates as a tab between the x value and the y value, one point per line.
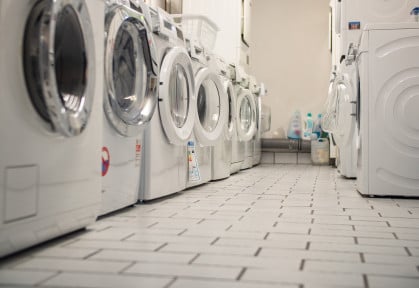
246	136
228	86
133	122
40	64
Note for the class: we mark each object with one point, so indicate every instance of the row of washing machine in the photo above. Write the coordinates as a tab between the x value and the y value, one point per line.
373	105
89	80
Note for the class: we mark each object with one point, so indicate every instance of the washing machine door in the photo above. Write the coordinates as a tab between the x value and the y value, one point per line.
345	111
211	107
59	64
130	71
246	115
231	98
177	96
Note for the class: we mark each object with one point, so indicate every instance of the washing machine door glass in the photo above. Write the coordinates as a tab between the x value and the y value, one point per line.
130	72
231	122
58	60
177	96
212	107
246	115
345	112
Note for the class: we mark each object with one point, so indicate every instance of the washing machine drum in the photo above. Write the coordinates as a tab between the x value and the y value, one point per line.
345	111
59	67
130	71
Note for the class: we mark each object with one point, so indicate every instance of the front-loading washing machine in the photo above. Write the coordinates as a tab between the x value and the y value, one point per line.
255	88
210	118
130	97
237	144
221	152
164	167
388	107
246	120
51	118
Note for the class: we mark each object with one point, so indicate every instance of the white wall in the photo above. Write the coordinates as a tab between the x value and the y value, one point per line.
289	52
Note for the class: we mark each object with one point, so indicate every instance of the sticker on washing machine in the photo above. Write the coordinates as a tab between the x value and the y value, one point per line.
193	167
106	160
137	153
354	25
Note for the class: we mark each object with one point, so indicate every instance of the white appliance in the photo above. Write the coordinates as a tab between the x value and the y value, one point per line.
255	88
210	118
388	62
344	132
221	152
246	117
130	97
164	166
237	144
51	119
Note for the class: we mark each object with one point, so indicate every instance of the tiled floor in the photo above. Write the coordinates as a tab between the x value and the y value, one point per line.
271	226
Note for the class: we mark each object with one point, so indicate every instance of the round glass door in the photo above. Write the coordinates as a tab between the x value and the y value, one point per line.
212	107
246	115
231	120
345	120
58	59
177	96
130	76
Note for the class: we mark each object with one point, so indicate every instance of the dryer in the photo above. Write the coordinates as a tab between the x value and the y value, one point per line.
246	118
388	105
130	97
221	152
164	166
210	118
51	118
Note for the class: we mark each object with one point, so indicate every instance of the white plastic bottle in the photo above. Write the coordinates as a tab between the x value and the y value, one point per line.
294	128
308	127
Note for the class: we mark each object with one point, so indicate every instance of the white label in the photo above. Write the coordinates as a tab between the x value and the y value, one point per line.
193	167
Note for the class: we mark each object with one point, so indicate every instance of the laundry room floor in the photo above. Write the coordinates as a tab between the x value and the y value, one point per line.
271	226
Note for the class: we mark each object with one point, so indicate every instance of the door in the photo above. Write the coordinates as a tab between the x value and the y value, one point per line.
345	111
231	98
130	71
246	115
177	99
211	107
58	59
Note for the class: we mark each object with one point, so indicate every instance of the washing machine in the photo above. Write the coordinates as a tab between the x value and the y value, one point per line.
51	119
130	98
255	88
164	167
237	144
246	118
221	152
388	105
210	118
344	132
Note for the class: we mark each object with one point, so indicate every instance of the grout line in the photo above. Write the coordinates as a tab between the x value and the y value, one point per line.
229	227
258	252
154	224
379	214
194	258
127	237
362	257
241	218
388	224
356	240
215	240
92	254
127	267
395	236
309	231
312	221
182	232
366	284
307	245
275	224
200	221
353	228
408	251
161	247
171	282
302	264
266	235
43	281
241	274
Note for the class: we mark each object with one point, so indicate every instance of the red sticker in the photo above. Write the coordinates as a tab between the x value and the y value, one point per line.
138	148
106	160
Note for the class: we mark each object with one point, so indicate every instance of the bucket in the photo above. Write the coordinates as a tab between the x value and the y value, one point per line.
320	151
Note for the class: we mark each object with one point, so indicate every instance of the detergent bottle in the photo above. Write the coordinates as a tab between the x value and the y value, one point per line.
294	127
308	127
317	128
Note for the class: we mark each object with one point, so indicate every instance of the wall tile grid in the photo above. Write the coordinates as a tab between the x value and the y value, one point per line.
271	226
